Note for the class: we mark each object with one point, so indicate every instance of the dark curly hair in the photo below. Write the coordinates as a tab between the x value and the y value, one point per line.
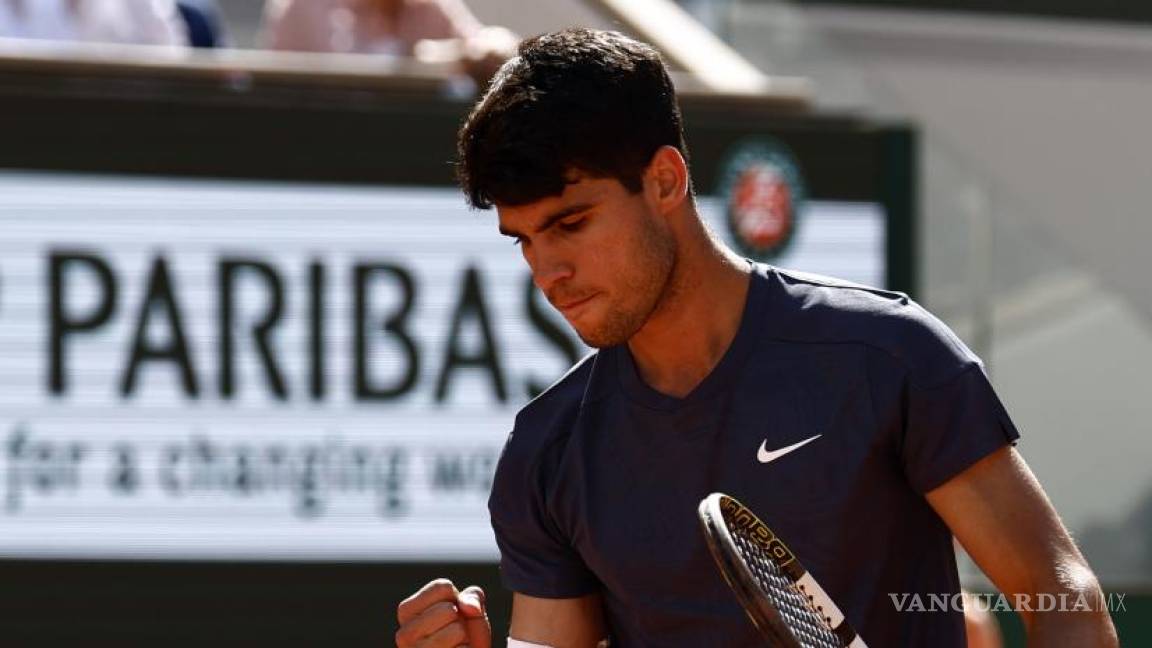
596	102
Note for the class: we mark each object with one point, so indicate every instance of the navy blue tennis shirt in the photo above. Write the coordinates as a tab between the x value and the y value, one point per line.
597	487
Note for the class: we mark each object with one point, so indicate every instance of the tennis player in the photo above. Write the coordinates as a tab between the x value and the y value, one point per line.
853	421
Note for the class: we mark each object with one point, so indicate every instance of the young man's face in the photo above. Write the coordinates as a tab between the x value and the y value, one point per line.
602	256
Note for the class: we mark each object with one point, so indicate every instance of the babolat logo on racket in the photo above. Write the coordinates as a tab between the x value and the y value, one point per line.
740	517
781	599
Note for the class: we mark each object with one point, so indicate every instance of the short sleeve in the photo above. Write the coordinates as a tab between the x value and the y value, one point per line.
536	558
950	426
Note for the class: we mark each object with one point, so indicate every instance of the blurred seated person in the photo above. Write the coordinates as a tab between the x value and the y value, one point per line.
203	23
428	30
138	22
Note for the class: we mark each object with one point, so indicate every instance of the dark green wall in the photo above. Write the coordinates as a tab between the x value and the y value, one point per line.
1133	622
138	603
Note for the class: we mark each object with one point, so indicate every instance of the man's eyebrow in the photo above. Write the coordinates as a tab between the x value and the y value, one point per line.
552	218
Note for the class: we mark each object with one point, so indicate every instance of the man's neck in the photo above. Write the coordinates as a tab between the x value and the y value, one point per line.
684	340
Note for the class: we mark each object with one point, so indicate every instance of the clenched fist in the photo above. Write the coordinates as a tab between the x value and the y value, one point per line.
440	616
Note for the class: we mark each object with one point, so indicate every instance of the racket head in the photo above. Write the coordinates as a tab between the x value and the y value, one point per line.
783	601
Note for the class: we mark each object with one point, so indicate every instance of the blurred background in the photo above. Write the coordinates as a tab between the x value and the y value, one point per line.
258	359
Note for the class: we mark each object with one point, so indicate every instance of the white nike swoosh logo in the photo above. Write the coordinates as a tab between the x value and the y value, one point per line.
765	455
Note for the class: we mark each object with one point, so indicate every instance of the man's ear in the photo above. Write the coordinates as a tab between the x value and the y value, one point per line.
666	179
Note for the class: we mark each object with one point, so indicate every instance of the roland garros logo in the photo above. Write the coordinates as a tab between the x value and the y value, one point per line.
764	194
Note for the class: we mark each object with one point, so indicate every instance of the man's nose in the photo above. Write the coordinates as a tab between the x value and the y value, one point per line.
549	269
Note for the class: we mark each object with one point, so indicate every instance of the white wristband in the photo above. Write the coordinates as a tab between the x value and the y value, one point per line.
516	643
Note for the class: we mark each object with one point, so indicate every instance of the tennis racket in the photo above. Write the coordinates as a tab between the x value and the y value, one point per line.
783	600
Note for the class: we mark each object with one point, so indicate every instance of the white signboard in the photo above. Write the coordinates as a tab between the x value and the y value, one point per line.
208	369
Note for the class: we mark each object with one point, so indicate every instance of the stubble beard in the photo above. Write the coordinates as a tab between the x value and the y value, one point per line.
648	290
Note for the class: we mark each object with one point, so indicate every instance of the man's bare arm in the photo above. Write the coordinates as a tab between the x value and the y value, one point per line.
559	623
1000	514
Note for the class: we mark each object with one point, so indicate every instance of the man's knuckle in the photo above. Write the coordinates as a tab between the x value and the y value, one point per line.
436	590
443	610
440	588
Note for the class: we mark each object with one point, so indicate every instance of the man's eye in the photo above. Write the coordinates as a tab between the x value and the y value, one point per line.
572	226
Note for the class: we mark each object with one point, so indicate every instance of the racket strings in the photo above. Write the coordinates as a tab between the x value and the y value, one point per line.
801	614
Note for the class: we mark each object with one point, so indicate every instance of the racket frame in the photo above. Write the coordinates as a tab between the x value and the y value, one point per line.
738	575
